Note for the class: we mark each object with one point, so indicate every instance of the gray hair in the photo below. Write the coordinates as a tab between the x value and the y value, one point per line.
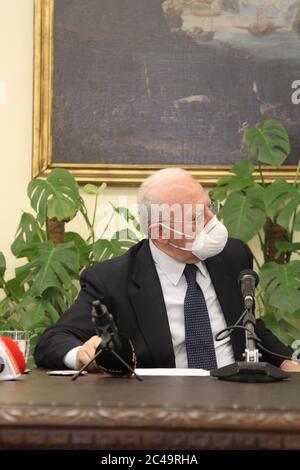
149	194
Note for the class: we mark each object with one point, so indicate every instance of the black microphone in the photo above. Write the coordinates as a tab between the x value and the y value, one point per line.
106	356
105	325
115	353
248	280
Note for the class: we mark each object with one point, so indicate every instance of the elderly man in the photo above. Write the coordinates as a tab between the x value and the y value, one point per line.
170	294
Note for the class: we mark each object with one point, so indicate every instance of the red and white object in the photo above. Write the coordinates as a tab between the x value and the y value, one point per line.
12	361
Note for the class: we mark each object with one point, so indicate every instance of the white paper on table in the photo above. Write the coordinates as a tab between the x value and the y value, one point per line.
173	372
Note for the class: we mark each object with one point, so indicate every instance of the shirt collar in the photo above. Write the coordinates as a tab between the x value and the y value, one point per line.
171	267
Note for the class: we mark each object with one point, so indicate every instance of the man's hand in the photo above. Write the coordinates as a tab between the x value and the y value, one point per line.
87	351
290	366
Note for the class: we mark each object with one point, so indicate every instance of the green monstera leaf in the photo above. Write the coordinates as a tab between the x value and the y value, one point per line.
281	283
93	189
51	266
282	328
2	269
242	219
2	265
28	231
40	312
56	197
268	143
242	178
82	246
106	249
287	246
282	200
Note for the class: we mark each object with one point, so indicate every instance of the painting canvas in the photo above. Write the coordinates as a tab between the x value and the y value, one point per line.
162	82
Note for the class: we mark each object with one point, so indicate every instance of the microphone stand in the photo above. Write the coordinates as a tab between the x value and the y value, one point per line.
106	329
251	353
250	370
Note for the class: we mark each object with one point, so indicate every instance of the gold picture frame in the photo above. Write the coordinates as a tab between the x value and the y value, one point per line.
116	174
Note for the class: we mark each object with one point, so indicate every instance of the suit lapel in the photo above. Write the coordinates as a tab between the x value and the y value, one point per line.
148	303
230	301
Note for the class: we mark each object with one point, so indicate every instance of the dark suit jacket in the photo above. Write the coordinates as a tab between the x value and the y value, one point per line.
130	288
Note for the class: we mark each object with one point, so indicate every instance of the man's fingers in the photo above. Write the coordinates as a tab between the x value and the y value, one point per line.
95	341
87	352
90	349
82	358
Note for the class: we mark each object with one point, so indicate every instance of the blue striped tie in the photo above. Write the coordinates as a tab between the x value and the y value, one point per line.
198	335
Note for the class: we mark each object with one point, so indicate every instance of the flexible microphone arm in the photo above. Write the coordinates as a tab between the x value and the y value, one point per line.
108	332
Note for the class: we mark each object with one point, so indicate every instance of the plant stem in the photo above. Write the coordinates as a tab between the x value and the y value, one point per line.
47	230
292	226
296	182
107	225
10	295
87	221
261	175
94	218
261	303
256	262
262	244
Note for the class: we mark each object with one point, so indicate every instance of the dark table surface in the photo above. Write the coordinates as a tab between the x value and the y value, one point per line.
160	412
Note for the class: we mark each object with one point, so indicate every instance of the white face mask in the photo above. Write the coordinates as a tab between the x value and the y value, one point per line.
209	242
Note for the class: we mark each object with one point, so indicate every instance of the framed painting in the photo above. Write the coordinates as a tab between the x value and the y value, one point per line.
124	87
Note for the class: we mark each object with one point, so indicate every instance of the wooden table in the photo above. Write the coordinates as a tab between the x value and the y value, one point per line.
95	412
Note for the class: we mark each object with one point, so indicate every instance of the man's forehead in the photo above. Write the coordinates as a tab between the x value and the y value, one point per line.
180	191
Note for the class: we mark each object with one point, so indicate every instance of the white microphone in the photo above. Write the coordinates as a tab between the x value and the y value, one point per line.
12	361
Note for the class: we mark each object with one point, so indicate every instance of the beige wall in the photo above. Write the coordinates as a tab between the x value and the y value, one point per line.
16	65
16	46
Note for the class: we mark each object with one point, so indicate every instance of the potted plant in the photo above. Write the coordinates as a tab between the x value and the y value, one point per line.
46	284
270	213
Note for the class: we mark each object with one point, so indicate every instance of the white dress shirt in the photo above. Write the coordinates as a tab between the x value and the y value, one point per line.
174	286
70	358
